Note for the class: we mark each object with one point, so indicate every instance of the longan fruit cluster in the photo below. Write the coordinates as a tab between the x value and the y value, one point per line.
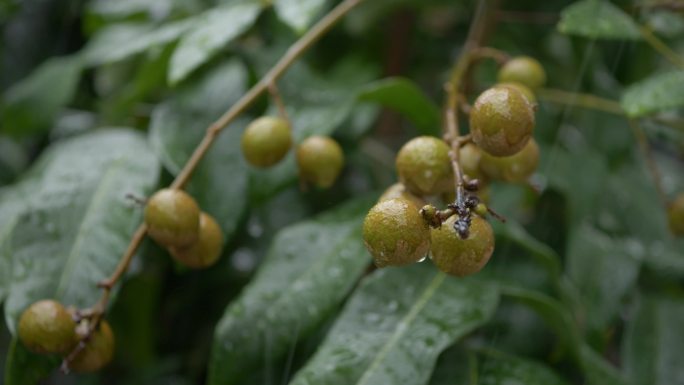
47	327
401	229
267	140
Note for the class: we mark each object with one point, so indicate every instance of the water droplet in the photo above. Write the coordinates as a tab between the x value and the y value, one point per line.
254	227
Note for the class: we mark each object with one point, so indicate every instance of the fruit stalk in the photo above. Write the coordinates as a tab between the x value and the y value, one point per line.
453	136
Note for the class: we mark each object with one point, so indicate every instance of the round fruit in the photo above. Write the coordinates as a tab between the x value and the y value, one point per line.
461	257
266	141
516	168
424	166
398	190
395	233
98	351
522	88
524	70
320	160
47	327
469	159
675	214
206	250
501	121
172	218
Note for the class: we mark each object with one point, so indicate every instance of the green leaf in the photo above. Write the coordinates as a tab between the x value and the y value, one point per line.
595	368
653	347
395	326
122	40
553	312
214	30
598	371
307	272
598	19
604	270
498	368
26	368
659	92
298	14
404	96
31	105
517	234
220	182
77	221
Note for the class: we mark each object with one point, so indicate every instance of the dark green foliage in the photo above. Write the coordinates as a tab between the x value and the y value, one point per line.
102	99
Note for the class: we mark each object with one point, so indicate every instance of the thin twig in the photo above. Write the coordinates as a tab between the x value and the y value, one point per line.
580	100
661	47
278	100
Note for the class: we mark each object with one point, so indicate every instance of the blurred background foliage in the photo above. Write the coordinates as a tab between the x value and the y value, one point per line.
585	285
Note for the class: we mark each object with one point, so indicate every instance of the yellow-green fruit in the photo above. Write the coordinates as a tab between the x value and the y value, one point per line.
501	121
206	250
398	190
47	327
522	88
395	233
320	160
676	216
172	218
424	166
469	159
461	257
524	70
516	168
266	141
98	351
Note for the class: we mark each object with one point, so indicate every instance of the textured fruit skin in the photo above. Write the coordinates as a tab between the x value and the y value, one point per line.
524	70
529	94
424	166
206	250
398	190
320	160
395	233
501	121
266	141
172	218
98	351
675	214
47	327
461	257
515	168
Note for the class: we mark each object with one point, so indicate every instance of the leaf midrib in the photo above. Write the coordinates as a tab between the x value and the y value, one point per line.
96	201
422	301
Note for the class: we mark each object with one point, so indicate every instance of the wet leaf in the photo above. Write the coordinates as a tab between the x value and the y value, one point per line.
31	105
298	14
395	326
659	92
77	222
653	348
598	19
404	96
214	30
307	272
498	368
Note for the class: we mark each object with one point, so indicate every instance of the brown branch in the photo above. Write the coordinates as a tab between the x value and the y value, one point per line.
96	312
